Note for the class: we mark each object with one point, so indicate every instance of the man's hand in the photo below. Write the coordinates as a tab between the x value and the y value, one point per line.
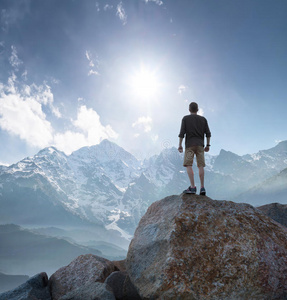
206	149
180	149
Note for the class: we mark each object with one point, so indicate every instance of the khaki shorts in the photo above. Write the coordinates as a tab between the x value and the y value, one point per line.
189	155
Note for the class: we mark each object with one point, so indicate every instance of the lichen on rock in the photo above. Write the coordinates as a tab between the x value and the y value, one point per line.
85	270
193	247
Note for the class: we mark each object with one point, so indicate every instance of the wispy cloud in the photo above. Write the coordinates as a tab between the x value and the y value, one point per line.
24	75
93	72
98	7
181	89
158	2
4	20
14	59
108	7
13	14
143	123
2	47
121	13
93	63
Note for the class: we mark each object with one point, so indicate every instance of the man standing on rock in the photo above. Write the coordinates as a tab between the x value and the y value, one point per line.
194	127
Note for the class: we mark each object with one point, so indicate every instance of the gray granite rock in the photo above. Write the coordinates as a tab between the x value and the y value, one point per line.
92	291
83	271
130	292
122	287
36	288
116	281
193	247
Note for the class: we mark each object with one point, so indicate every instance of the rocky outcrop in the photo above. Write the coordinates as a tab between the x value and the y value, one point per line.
92	291
275	211
36	288
185	247
122	287
82	273
192	247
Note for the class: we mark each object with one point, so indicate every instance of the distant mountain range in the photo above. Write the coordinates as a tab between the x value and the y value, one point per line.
9	282
25	252
107	188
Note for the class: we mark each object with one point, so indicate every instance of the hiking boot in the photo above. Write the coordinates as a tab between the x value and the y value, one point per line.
190	190
202	191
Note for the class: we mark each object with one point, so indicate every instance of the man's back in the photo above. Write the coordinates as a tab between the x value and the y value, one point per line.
194	127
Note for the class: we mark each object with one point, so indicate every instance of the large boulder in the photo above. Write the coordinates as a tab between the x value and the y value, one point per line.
85	270
192	247
122	286
92	291
36	288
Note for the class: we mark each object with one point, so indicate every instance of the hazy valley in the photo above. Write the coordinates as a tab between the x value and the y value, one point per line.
92	200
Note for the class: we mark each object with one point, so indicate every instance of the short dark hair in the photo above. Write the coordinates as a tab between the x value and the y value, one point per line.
193	107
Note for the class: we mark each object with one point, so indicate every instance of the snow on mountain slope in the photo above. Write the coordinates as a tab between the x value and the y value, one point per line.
274	159
106	185
89	183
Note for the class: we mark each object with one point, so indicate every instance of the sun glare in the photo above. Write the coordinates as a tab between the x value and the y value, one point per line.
144	83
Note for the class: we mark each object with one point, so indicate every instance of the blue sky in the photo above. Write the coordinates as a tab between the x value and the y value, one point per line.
74	72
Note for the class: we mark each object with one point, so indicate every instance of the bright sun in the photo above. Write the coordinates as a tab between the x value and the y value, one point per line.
144	83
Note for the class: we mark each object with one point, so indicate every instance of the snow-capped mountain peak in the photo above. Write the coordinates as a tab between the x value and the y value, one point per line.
105	184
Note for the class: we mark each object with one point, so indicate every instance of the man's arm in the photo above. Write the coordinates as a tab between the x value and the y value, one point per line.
208	135
181	135
180	149
206	149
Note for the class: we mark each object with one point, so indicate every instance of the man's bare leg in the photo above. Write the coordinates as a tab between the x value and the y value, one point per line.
201	175
190	174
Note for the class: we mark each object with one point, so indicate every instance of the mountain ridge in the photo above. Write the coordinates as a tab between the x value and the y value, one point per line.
107	186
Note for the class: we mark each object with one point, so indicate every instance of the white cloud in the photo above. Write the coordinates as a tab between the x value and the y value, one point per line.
92	72
14	60
108	7
154	138
200	111
2	47
97	7
158	2
24	75
21	114
43	95
88	131
121	13
93	63
144	123
69	141
182	88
